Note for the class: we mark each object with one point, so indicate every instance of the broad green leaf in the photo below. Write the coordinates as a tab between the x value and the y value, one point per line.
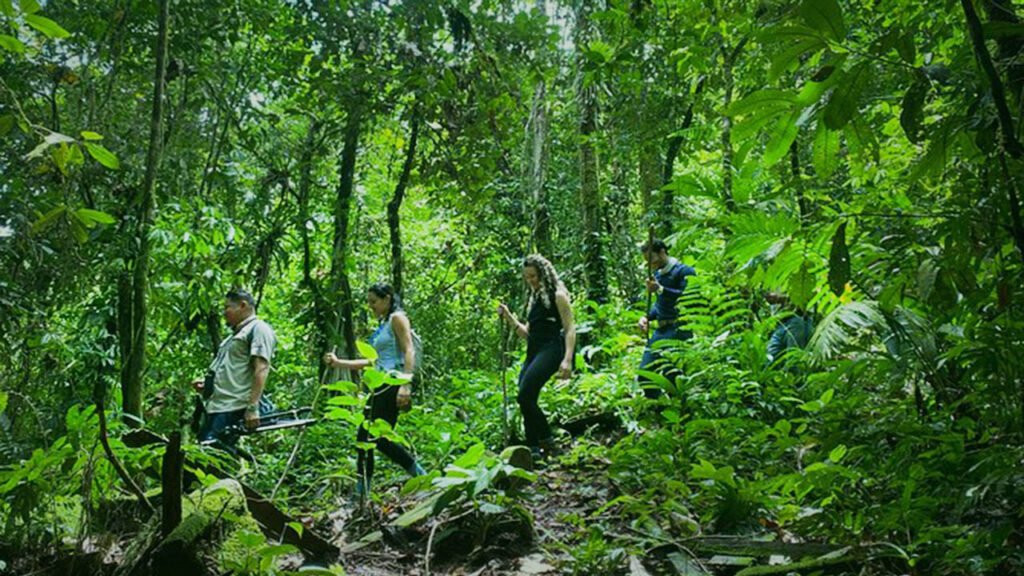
788	33
790	56
839	262
837	453
801	286
366	351
46	26
599	52
46	220
845	99
824	16
94	216
826	151
762	102
7	8
3	402
862	141
471	457
6	124
102	155
906	49
91	135
912	115
782	137
29	6
935	158
11	44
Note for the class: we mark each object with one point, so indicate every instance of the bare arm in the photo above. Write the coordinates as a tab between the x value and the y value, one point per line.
403	334
260	370
569	326
522	329
333	361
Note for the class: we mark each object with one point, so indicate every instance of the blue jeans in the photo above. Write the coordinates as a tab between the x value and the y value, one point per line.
215	424
654	359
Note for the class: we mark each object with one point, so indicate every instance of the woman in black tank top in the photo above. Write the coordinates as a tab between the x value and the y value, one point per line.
550	345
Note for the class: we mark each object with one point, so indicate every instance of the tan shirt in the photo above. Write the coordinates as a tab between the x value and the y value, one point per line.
232	367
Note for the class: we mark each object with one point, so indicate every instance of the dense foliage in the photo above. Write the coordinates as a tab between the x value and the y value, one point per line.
860	158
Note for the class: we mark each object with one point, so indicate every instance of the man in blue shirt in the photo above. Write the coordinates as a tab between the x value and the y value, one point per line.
668	282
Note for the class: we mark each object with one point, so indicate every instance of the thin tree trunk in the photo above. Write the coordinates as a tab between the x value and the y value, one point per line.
1010	46
727	151
535	160
396	202
675	145
1011	145
134	285
341	291
536	145
590	192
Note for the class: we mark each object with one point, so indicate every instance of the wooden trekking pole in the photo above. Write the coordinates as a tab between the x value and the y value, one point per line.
503	362
298	441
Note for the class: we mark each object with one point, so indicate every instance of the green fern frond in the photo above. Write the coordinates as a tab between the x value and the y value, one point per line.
842	326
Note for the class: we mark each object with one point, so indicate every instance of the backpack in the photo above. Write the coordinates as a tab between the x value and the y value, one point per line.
417	351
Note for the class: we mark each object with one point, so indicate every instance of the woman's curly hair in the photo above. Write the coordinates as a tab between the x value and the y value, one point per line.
549	281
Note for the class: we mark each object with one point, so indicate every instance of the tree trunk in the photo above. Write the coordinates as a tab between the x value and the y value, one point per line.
134	283
341	291
396	202
1010	46
727	151
675	144
590	192
537	129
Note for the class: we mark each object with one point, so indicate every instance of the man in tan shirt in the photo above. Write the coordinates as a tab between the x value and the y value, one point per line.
238	374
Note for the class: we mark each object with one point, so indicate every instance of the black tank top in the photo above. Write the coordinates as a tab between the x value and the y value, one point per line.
545	322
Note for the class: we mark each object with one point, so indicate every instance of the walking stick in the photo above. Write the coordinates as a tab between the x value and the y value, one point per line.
298	441
502	345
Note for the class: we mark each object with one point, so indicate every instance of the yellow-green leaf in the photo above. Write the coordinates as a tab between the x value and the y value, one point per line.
86	134
11	44
29	6
93	217
102	155
826	151
366	351
46	26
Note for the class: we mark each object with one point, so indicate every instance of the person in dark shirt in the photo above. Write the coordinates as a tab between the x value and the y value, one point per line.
550	335
668	281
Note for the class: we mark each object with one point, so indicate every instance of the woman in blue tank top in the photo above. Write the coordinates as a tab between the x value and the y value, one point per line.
393	342
550	345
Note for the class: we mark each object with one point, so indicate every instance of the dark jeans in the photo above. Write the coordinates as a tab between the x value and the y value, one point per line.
654	359
541	364
215	424
383	406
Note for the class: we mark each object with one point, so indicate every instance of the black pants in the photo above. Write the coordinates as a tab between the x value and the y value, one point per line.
541	364
382	406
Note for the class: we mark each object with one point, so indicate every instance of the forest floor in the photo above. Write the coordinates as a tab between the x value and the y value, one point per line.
572	532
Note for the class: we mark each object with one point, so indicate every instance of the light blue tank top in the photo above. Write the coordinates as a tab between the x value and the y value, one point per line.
384	342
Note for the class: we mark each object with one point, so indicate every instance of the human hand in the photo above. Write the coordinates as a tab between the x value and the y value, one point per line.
643	323
252	419
503	311
198	384
404	399
565	369
330	359
652	285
